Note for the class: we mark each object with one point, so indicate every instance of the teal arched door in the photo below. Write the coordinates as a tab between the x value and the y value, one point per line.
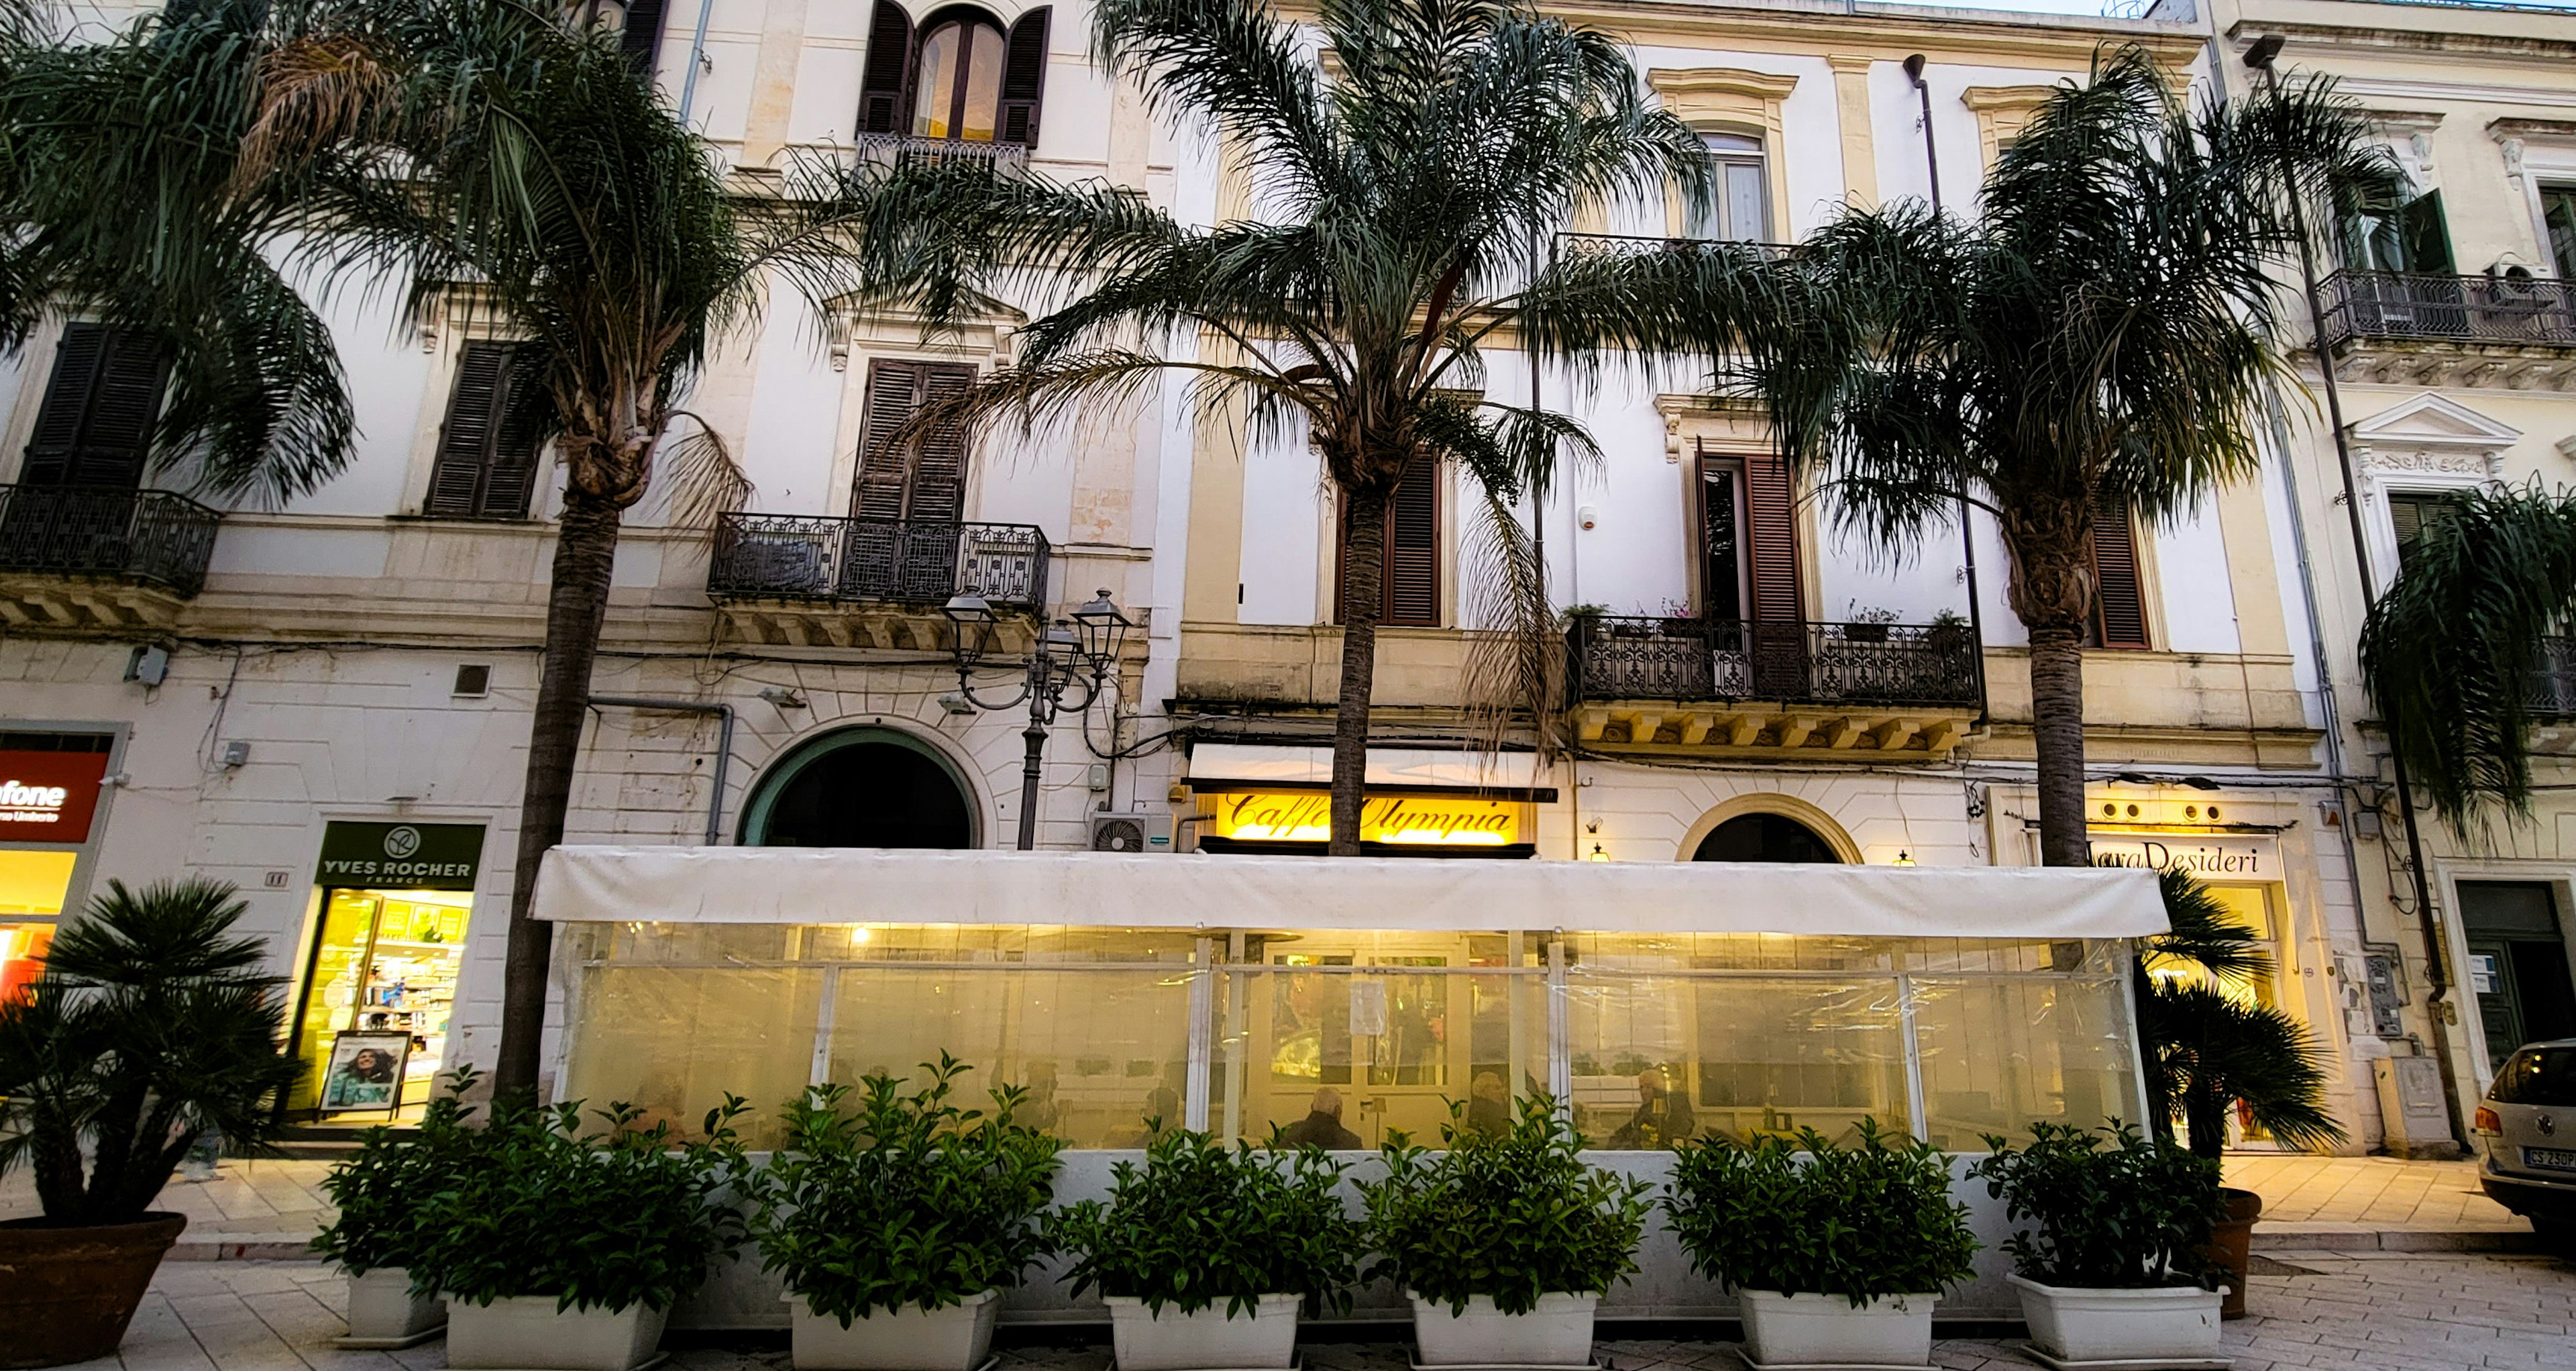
861	787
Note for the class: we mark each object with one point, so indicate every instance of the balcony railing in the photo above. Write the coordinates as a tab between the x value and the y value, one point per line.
915	562
904	147
144	537
1635	658
2415	307
2551	690
1638	245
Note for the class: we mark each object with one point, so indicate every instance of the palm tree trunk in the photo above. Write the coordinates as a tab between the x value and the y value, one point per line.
2205	1110
2057	733
1363	587
585	554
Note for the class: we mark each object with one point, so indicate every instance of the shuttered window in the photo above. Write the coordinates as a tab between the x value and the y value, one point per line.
923	478
958	76
1409	576
1771	539
487	449
2119	597
881	77
2410	513
95	426
1024	79
642	37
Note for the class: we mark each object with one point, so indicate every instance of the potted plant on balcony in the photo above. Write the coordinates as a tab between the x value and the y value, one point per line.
898	1217
1204	1253
560	1250
1503	1242
2114	1271
381	1196
152	1025
1837	1254
1868	625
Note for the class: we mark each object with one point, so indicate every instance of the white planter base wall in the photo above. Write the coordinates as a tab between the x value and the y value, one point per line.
957	1337
1263	1339
2168	1327
524	1333
384	1314
1556	1333
1825	1330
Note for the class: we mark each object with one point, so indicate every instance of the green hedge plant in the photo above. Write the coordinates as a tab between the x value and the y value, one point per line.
1201	1224
1802	1216
1512	1216
606	1219
382	1193
2112	1210
882	1198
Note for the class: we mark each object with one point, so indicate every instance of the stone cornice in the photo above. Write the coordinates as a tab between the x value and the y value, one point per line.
2382	38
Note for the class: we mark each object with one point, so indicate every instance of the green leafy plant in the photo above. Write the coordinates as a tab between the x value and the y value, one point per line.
1804	1217
1199	1223
2115	1209
152	1025
2209	1045
1511	1216
607	1219
882	1198
379	1194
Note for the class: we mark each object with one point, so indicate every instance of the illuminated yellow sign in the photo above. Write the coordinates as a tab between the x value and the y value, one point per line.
1413	820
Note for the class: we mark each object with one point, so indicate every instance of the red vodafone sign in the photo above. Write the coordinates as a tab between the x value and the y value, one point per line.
48	797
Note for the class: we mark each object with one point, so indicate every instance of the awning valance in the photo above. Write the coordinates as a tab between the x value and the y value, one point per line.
864	885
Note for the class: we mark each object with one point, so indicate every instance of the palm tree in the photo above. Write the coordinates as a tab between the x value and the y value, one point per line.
2208	1049
2452	650
485	151
1401	198
2094	346
122	199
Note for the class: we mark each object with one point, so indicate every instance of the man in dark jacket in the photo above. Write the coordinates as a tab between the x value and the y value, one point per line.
1322	1125
1663	1116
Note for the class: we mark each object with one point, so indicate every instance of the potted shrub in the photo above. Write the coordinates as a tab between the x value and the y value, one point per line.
2114	1270
560	1250
897	1218
1837	1254
1503	1242
1204	1253
152	1025
380	1196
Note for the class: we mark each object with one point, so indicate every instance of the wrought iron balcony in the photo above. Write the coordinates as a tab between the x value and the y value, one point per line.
153	539
898	562
1628	658
1639	244
900	148
2484	311
2550	691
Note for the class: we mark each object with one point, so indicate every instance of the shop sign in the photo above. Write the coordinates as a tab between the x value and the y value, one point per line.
48	797
2207	856
401	856
1306	816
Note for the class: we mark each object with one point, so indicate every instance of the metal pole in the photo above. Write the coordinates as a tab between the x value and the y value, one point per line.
697	59
1036	735
2436	975
1967	530
724	744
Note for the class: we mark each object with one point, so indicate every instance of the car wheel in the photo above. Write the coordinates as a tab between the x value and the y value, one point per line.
2557	1236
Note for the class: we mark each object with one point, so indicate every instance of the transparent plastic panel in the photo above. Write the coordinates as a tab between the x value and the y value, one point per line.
1660	1059
674	1040
2000	1055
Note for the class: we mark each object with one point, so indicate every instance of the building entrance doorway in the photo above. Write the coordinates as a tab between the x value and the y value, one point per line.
2517	964
861	787
1764	838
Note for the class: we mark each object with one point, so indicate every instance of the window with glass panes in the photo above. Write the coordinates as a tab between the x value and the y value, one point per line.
1741	211
2558	211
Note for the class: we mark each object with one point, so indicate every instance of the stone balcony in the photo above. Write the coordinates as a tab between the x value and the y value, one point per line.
2423	329
804	580
94	560
1729	686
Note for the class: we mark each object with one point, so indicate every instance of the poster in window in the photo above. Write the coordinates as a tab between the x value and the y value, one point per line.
365	1071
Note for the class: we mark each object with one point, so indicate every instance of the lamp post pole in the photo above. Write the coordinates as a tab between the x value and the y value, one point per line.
1967	531
1072	656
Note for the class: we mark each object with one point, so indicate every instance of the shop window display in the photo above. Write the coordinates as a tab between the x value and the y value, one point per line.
382	981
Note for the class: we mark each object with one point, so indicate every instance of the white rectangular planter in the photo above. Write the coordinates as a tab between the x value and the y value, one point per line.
384	1313
956	1337
524	1333
2176	1324
1825	1330
1556	1333
1205	1340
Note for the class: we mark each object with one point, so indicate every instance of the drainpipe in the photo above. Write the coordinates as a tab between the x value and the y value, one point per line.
689	83
724	742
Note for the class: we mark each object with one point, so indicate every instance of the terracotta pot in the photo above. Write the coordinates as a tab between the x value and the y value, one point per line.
2231	1246
69	1292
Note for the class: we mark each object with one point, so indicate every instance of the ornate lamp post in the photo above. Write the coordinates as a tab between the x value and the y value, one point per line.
1074	654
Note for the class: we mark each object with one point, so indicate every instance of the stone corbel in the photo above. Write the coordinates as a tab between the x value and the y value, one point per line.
837	333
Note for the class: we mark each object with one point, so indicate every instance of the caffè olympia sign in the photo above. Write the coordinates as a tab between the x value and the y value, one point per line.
1259	816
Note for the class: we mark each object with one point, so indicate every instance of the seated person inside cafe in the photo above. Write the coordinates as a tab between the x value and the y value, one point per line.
1663	1115
1322	1125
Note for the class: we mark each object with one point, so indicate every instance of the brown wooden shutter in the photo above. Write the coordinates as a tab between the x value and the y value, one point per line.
487	449
882	77
95	425
1413	548
1770	524
2120	607
2410	514
1024	78
642	38
925	479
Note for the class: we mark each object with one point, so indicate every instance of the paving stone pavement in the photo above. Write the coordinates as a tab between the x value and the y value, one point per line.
2400	1311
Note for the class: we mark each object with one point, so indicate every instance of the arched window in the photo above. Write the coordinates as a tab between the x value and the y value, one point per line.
861	787
1764	838
957	77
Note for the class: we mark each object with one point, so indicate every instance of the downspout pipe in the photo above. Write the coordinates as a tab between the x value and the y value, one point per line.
724	744
689	83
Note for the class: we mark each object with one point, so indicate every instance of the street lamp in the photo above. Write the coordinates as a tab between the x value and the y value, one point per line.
1069	655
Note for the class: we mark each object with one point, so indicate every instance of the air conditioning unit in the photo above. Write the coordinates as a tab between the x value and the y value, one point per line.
1131	833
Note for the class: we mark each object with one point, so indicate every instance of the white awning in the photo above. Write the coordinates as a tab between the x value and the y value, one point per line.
783	885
